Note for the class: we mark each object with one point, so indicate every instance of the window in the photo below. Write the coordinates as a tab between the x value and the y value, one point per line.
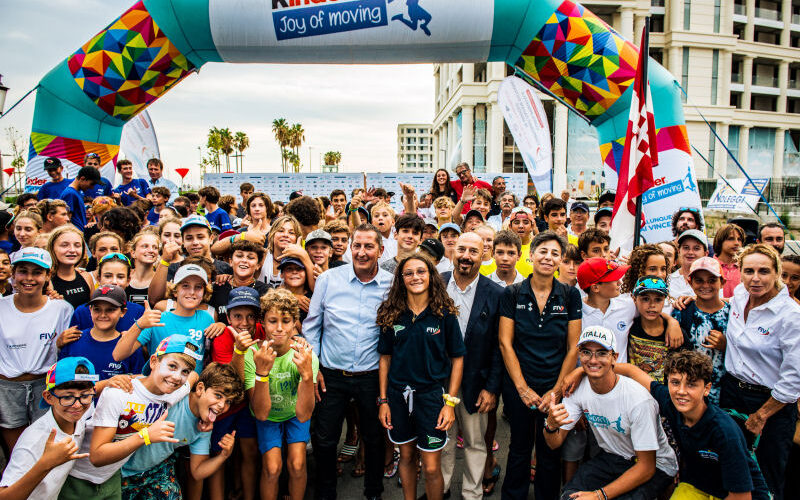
712	146
685	74
714	76
687	13
717	15
733	144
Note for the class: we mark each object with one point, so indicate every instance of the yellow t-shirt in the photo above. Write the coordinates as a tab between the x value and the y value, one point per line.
525	264
487	269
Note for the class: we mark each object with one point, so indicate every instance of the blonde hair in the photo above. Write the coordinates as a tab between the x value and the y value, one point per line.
768	252
141	234
32	215
282	301
47	207
443	201
277	224
166	221
55	234
106	234
382	205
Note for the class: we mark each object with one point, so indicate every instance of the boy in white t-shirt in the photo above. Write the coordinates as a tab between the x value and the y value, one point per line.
38	467
636	460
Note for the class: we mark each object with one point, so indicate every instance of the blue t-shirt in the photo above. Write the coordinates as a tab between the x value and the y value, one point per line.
52	190
140	185
192	326
220	218
6	246
82	317
147	457
153	216
102	188
74	201
99	353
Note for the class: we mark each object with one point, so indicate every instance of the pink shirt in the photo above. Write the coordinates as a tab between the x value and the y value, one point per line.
731	274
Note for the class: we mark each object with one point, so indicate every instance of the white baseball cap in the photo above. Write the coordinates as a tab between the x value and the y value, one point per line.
599	335
190	270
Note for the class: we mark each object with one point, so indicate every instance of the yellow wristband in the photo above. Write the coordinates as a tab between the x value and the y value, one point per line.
164	263
237	351
450	403
145	434
262	379
241	236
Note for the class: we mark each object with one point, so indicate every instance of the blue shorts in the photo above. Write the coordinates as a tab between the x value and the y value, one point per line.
241	421
272	434
420	424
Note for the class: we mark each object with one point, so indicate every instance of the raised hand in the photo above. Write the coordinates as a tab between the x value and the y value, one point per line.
302	359
162	431
557	414
170	251
150	317
242	340
264	358
303	302
226	444
468	194
214	330
68	336
57	453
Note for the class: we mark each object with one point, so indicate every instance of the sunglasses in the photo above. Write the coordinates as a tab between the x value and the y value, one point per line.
118	256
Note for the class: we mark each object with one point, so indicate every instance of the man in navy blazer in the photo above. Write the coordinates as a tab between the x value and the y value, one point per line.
477	298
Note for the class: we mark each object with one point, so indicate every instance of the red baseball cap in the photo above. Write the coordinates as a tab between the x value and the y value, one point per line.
599	270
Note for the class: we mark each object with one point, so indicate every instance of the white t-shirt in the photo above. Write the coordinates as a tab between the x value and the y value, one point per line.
444	265
618	318
128	413
29	449
389	249
495	222
678	286
266	275
28	340
501	282
624	420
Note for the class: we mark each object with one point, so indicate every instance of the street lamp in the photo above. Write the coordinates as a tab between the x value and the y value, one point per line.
3	92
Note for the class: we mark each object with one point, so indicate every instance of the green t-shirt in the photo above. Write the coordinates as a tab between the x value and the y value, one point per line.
284	378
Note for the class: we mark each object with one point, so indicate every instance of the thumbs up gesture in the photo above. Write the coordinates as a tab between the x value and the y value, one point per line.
242	340
150	317
557	414
162	431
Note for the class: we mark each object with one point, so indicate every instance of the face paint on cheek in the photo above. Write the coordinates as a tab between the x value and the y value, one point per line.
165	371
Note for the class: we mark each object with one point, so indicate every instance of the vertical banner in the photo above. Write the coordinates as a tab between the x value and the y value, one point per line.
139	143
527	122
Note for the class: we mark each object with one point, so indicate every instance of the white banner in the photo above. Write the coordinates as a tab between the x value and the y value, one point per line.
737	195
365	31
280	186
527	122
139	143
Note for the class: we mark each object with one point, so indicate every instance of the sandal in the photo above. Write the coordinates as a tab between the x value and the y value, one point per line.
348	452
459	442
533	472
495	446
390	468
490	482
358	470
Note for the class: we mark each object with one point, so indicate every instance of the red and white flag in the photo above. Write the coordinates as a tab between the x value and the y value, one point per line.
638	159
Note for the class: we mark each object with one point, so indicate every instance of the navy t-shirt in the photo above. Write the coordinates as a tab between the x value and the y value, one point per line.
52	190
220	219
540	340
102	188
421	348
74	201
153	217
714	453
140	185
100	354
82	317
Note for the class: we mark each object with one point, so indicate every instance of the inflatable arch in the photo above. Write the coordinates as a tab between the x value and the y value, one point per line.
83	103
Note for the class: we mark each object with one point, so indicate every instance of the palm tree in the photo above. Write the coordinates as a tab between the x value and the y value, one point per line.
226	140
214	145
294	161
240	143
296	137
280	127
332	158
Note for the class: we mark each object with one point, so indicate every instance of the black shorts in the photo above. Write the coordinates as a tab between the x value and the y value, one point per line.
420	424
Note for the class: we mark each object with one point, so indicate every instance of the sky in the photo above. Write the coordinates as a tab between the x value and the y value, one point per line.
347	108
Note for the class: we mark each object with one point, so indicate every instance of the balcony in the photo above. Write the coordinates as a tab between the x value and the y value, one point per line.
765	81
772	15
739	9
737	78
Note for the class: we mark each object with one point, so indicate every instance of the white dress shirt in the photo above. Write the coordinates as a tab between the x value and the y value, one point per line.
618	318
463	300
765	349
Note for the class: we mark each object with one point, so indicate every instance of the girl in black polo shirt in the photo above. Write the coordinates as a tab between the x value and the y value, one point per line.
421	346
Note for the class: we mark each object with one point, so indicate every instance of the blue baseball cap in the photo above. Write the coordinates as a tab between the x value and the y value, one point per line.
243	296
64	371
449	225
195	220
602	212
290	260
175	344
650	284
33	255
579	205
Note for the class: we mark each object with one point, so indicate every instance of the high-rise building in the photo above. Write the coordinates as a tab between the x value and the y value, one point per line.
414	148
738	60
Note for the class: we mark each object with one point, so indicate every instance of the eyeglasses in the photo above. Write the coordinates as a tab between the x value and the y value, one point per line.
587	354
418	272
118	256
67	401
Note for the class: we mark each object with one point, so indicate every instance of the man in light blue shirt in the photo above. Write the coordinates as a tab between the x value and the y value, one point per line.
155	168
342	331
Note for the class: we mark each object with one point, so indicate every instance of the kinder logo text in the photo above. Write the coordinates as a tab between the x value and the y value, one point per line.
305	18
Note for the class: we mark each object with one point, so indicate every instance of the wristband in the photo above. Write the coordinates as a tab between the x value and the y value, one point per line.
450	404
145	434
549	430
164	263
232	239
603	491
241	236
136	322
262	378
450	399
382	401
237	351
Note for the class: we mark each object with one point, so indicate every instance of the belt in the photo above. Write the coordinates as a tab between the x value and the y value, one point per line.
346	373
751	387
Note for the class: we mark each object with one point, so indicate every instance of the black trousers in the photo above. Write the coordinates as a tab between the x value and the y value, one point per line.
527	428
328	419
606	467
772	453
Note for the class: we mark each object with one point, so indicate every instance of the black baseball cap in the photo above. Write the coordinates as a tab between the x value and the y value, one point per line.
607	196
112	294
433	247
51	163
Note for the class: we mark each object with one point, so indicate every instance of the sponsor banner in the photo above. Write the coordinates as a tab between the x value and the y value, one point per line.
737	195
368	31
139	143
527	122
516	183
71	152
280	186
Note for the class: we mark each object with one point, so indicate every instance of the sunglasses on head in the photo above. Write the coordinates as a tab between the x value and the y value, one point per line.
118	256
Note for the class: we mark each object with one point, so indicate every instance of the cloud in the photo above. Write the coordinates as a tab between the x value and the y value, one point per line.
350	108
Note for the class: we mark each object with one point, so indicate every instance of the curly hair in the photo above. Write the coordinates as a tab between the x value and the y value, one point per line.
396	301
101	205
123	221
305	209
695	365
282	301
637	262
677	215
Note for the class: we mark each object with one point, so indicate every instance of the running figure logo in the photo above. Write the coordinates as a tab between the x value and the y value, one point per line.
418	17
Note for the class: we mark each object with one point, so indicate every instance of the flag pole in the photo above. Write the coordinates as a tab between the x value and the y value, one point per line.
644	51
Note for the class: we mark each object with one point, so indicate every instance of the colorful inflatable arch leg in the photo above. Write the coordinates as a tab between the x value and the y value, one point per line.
82	104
